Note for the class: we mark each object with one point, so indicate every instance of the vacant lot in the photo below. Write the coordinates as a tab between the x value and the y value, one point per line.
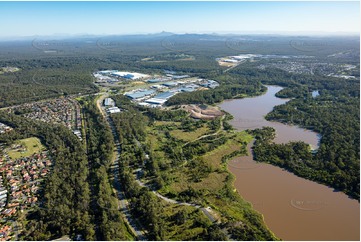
28	147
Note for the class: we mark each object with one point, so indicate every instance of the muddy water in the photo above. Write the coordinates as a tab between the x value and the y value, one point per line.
249	113
293	208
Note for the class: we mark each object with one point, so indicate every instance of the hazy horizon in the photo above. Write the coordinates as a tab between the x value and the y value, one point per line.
60	36
29	19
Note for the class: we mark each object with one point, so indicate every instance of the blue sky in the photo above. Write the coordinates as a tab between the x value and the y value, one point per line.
47	18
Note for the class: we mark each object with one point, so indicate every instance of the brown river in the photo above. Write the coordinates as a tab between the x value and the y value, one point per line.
293	208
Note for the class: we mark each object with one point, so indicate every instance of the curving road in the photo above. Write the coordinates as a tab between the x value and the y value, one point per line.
207	211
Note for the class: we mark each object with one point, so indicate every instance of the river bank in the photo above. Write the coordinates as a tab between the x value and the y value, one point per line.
294	208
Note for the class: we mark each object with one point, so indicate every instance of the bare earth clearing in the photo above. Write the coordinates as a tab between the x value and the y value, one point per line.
205	113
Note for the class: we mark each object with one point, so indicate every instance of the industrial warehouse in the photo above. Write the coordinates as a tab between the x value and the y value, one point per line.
156	90
159	94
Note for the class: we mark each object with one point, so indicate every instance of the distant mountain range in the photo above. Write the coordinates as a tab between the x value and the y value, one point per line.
164	34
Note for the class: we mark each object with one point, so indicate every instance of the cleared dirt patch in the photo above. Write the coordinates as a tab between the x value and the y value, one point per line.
203	112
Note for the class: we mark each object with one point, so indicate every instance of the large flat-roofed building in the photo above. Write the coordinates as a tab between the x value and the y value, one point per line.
230	60
244	56
107	71
170	72
114	110
180	77
129	75
157	86
212	84
189	88
156	101
154	80
170	84
186	89
209	83
161	98
164	95
140	94
109	102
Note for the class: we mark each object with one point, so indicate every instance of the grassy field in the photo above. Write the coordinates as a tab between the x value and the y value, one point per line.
214	157
189	136
179	133
182	181
29	146
182	176
160	123
155	146
245	136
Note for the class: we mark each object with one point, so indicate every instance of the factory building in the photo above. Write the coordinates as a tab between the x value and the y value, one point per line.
114	110
156	101
109	102
154	80
140	94
180	77
165	95
170	84
161	98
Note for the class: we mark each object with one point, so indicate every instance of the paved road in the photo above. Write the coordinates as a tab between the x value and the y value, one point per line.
122	200
207	211
165	198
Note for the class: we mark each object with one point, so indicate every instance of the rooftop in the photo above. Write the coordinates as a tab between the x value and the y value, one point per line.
154	80
180	77
109	102
114	110
140	94
170	84
164	95
131	75
156	101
